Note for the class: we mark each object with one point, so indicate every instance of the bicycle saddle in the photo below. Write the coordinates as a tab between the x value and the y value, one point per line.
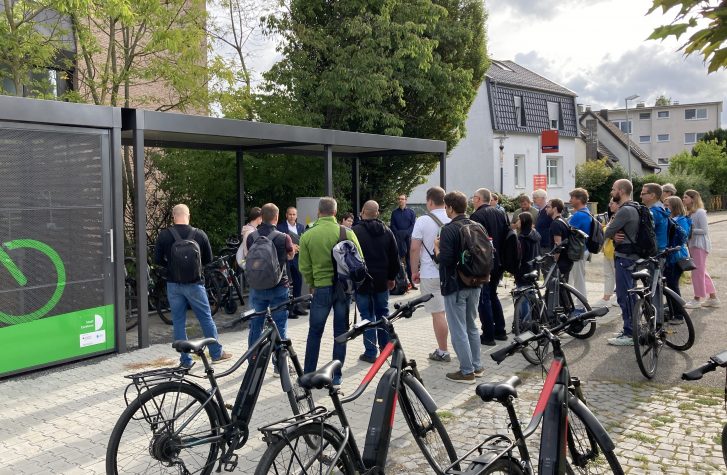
192	346
531	276
320	378
642	274
498	391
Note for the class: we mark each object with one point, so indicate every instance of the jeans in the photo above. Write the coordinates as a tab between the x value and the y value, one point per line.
673	273
624	282
461	308
490	308
195	295
262	299
325	299
295	278
372	307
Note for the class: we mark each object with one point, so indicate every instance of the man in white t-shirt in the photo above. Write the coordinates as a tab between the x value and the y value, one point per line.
425	272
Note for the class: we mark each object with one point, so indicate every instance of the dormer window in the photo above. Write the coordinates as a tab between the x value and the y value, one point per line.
519	111
554	115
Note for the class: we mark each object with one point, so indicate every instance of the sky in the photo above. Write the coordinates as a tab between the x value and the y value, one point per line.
596	48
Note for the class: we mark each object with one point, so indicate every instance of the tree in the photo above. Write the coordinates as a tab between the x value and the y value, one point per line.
717	135
707	39
708	160
596	177
393	67
662	101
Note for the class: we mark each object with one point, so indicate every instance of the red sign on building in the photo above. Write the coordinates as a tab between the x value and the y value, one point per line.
549	141
540	182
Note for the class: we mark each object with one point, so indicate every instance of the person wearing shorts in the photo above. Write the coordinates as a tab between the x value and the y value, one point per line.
425	272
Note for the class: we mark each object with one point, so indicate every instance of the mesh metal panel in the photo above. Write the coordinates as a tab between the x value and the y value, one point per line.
50	195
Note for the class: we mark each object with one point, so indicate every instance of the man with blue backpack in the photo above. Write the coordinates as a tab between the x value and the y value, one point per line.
317	266
583	220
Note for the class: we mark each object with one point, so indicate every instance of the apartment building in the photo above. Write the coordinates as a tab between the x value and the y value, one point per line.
664	131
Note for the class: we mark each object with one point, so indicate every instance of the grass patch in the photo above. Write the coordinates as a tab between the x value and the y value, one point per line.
687	406
688	431
656	424
718	439
665	419
445	415
643	438
156	363
707	402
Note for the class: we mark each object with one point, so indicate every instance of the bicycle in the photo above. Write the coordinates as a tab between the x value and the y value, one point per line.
156	291
222	283
531	310
649	331
313	445
718	360
175	425
572	440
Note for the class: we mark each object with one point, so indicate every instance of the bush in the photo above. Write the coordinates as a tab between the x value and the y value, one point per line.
597	177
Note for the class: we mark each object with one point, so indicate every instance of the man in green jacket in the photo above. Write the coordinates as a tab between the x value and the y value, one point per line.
316	266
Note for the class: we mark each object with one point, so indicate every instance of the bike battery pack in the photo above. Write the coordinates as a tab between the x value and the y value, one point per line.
382	421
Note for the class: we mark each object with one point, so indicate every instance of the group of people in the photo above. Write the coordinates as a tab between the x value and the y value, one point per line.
431	247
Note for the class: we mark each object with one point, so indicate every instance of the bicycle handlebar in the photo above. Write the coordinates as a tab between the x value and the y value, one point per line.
526	337
245	316
556	250
402	309
697	373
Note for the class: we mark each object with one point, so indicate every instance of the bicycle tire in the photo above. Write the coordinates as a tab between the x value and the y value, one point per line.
301	399
505	465
213	284
585	453
132	307
283	455
527	318
646	342
724	444
674	334
426	427
579	330
145	438
161	305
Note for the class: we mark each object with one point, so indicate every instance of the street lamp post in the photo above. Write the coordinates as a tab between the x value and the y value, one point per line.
502	160
628	131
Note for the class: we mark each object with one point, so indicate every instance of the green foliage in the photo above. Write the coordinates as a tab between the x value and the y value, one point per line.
718	135
592	174
708	39
395	67
662	100
681	181
707	160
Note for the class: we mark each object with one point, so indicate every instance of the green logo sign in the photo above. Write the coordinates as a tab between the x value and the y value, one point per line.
22	280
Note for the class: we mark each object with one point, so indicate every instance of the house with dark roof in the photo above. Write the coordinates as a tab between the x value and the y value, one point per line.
604	139
502	148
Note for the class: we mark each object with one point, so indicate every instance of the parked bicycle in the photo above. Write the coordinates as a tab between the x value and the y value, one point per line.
173	425
156	291
653	322
312	445
718	360
572	440
223	286
547	305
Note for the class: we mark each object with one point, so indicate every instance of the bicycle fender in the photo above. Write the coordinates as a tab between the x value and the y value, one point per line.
575	292
599	432
420	391
283	371
674	295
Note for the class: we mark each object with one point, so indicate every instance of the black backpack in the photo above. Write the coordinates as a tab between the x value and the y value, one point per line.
576	245
401	283
511	254
474	262
185	259
645	244
262	266
596	238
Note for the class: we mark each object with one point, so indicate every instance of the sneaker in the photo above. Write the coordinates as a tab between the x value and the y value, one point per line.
676	321
622	340
367	358
440	356
224	356
458	377
614	302
186	365
276	371
293	316
618	334
712	302
501	337
693	304
479	372
602	303
487	342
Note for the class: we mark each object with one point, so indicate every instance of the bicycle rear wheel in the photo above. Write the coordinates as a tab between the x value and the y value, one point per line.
294	453
646	341
526	317
132	307
504	465
678	326
163	431
585	453
724	444
568	301
161	304
215	283
426	426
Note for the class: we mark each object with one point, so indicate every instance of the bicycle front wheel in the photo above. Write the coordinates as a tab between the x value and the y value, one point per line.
646	341
571	303
309	449
724	444
678	326
526	317
426	426
171	428
585	452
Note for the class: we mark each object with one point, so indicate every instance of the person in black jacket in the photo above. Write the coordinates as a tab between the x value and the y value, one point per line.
496	224
460	301
382	261
529	248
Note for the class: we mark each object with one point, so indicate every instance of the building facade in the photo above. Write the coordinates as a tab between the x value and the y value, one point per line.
502	149
664	131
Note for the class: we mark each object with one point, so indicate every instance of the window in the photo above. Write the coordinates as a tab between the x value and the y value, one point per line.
693	137
552	165
519	171
662	161
519	111
623	126
554	115
644	138
644	115
662	138
695	114
662	115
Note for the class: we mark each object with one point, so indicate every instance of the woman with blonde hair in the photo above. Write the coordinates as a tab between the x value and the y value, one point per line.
672	271
699	247
609	270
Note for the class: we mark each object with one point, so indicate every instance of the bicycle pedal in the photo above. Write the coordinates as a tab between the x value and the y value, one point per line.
231	464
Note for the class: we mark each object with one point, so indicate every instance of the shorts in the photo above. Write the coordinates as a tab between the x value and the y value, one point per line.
432	286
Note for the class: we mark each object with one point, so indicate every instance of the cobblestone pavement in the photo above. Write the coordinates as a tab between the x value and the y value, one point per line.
59	420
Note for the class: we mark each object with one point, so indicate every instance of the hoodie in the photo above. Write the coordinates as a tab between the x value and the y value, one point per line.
530	249
380	251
